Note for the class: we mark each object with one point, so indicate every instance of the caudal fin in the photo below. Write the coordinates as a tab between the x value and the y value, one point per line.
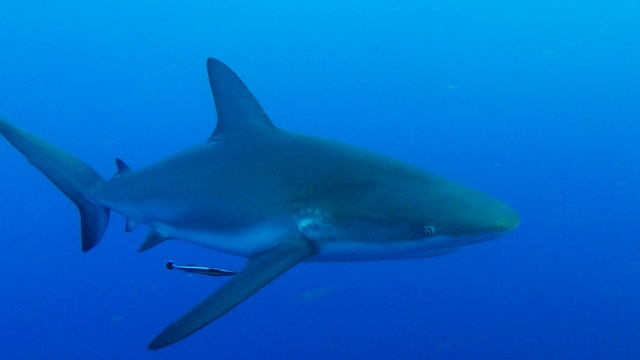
69	174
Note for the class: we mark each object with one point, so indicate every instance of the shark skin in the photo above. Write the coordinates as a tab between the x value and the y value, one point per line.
276	197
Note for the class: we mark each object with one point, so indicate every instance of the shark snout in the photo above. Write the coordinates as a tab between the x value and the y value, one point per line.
505	219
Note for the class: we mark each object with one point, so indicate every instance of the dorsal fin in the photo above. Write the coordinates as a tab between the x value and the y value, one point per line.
237	108
122	167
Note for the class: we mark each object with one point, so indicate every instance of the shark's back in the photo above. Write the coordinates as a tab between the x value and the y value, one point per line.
241	178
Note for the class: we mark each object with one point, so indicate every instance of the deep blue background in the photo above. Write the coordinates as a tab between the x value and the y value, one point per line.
534	102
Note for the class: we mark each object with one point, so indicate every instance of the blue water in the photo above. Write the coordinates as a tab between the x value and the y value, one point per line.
533	102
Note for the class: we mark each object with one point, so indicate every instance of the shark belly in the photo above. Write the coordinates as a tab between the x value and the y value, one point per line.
253	239
355	241
358	251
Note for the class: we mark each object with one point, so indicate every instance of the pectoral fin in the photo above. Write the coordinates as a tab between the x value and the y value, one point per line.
261	269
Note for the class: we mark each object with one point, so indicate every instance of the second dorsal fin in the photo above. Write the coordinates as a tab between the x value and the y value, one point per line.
122	168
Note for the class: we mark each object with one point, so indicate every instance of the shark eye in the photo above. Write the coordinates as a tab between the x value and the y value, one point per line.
429	231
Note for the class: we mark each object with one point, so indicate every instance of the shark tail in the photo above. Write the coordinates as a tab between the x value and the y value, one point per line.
69	174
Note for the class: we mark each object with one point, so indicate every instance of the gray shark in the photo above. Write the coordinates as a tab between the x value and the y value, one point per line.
274	196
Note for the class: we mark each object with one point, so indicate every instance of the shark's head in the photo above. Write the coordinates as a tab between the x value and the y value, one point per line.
409	213
456	215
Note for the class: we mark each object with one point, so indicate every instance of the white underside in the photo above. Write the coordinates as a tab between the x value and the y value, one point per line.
349	251
268	235
241	243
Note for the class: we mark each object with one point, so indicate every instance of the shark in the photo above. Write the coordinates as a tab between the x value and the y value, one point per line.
276	197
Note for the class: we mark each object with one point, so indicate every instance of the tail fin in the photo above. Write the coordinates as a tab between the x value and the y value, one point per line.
69	174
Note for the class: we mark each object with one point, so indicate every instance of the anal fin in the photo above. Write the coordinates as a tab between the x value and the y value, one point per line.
261	269
131	225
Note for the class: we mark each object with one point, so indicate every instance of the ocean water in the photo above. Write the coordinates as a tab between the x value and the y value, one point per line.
533	102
